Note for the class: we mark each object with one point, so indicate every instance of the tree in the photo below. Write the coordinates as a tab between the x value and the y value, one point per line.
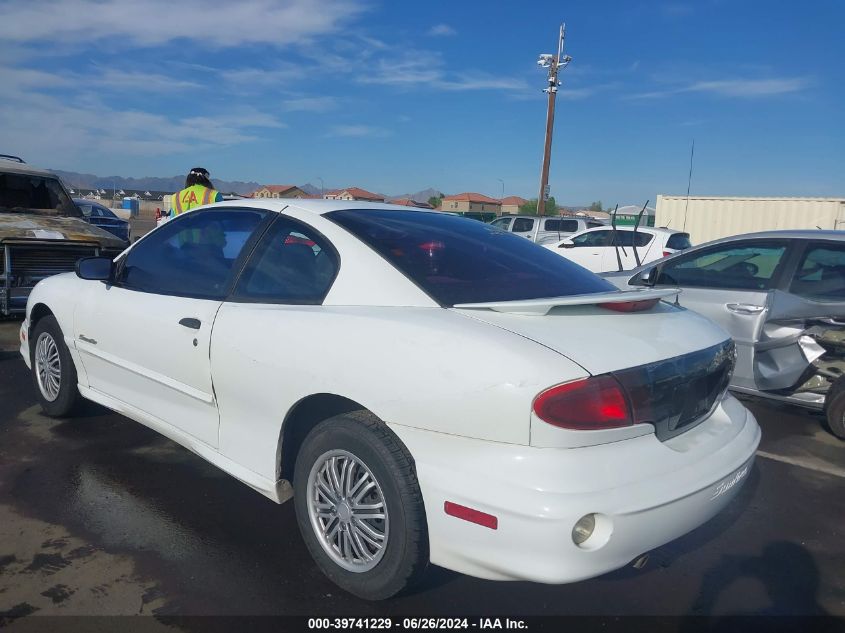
435	201
530	207
596	206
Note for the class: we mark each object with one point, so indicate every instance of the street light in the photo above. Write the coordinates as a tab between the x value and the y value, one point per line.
554	64
503	189
322	187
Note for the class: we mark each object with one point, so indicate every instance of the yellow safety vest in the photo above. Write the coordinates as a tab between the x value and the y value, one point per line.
190	197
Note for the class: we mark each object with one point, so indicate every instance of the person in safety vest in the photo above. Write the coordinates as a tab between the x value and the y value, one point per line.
197	192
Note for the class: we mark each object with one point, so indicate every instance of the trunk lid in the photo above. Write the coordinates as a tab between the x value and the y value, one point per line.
602	340
673	364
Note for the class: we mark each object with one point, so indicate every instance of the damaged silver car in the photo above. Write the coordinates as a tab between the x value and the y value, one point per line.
42	232
781	295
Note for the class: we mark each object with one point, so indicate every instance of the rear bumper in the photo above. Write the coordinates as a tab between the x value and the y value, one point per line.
645	492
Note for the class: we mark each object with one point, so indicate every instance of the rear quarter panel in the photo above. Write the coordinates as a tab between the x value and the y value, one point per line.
427	368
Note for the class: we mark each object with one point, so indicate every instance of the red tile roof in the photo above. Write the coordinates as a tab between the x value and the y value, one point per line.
277	188
472	197
362	194
514	200
407	202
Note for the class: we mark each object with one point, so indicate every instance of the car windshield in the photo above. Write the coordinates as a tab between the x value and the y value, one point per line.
456	260
22	193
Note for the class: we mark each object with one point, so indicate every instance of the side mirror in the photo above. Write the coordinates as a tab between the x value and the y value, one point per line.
95	268
567	243
646	278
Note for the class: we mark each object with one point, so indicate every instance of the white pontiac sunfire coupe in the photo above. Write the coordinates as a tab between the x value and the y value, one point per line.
428	388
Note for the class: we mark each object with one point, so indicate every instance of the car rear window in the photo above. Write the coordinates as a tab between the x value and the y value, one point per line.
456	260
678	241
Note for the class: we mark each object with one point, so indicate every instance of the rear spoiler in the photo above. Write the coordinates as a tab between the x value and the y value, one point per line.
629	300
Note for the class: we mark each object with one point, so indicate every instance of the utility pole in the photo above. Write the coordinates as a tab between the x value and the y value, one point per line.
555	63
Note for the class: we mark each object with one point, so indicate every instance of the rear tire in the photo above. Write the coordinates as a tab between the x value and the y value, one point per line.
340	460
834	405
53	371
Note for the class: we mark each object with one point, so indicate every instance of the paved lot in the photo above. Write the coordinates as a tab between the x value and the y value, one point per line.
99	515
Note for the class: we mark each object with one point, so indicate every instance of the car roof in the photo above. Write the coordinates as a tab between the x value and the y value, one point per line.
320	207
795	234
7	165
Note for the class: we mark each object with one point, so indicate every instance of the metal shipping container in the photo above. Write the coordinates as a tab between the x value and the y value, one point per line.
711	217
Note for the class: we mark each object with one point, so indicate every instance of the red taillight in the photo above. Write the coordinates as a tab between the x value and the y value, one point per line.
630	306
158	215
586	405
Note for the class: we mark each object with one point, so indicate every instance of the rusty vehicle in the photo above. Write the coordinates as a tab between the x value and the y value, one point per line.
781	295
42	232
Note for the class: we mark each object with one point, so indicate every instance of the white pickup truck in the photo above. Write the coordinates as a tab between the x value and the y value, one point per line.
545	230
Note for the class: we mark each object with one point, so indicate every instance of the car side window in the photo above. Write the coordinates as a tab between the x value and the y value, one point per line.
626	238
594	238
821	273
502	223
522	225
193	255
743	266
562	226
291	264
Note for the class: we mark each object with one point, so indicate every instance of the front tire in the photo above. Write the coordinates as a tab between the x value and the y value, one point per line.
835	408
359	506
53	371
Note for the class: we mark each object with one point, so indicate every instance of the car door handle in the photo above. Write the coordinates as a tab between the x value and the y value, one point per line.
744	308
194	324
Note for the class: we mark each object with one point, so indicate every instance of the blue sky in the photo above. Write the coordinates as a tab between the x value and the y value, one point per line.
397	96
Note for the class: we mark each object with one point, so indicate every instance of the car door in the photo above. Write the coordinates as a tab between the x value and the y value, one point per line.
524	227
144	340
625	241
730	283
805	319
278	297
588	248
502	223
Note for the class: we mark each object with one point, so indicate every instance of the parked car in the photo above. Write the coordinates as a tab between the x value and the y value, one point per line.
42	232
597	250
411	376
99	215
544	230
781	295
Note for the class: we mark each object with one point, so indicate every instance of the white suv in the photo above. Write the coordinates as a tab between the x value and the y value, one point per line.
544	230
595	249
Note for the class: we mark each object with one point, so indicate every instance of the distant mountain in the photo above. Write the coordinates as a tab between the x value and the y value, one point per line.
310	189
419	196
173	183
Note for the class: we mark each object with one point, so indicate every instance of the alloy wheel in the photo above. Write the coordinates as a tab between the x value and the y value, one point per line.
347	509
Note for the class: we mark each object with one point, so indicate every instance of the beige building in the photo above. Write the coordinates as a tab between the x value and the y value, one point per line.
353	193
279	191
708	218
511	204
463	202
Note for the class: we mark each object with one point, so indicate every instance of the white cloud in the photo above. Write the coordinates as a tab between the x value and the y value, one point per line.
751	87
78	123
425	70
441	30
743	88
356	131
207	23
